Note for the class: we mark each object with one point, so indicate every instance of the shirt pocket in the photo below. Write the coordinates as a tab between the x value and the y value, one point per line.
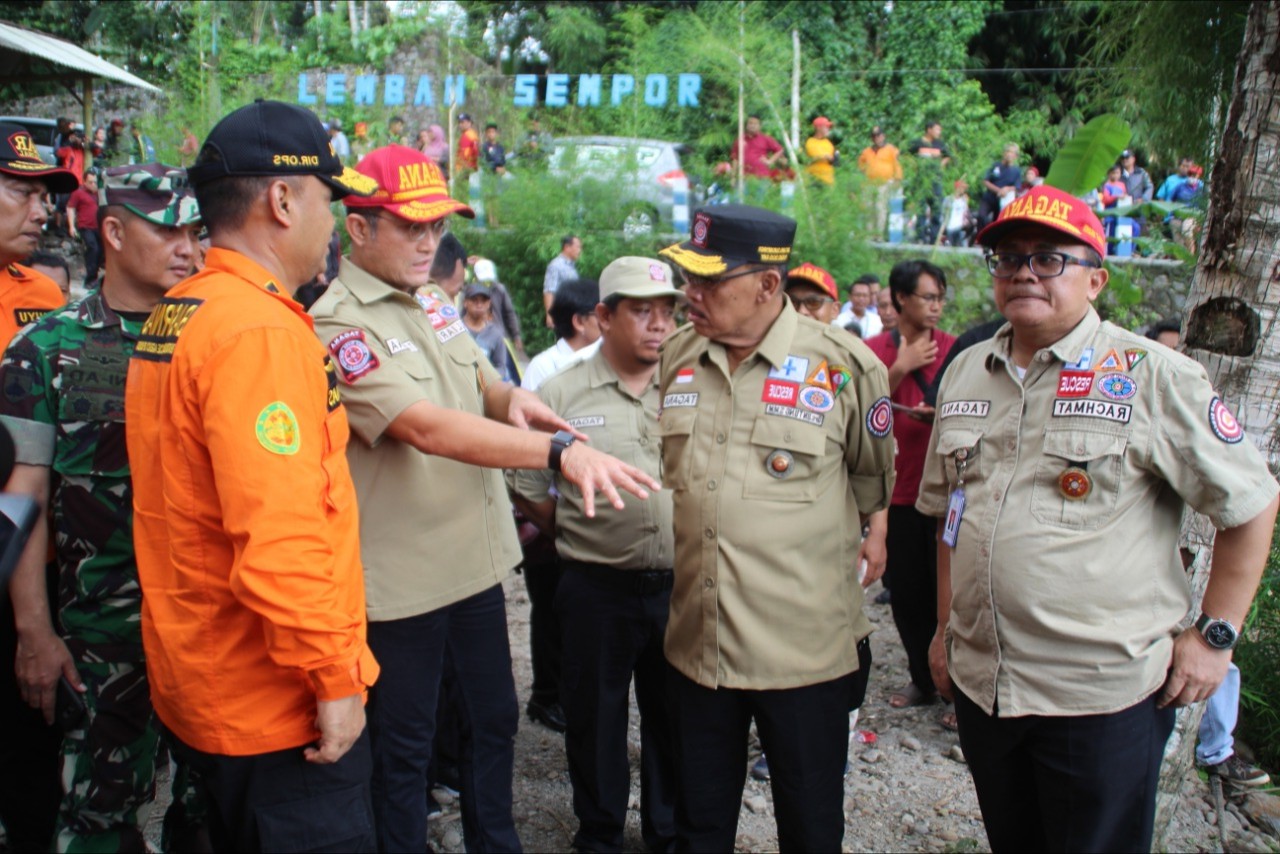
784	462
339	490
675	426
955	443
1101	455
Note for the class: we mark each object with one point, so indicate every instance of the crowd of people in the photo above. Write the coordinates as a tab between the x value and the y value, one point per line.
279	534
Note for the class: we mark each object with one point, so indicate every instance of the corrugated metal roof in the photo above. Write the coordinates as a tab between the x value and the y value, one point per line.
59	52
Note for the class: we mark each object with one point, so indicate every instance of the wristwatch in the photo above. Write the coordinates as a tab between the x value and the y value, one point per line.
563	439
1219	634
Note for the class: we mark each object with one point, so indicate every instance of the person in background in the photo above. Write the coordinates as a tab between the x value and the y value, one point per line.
760	153
812	291
538	145
857	311
341	145
573	318
935	157
477	316
821	152
433	143
1173	181
956	218
1000	185
503	306
396	133
115	143
361	144
141	147
1030	178
448	270
1136	180
885	311
495	155
82	223
55	267
468	157
562	268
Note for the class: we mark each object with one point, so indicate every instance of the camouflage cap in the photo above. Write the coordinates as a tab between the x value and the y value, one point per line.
154	191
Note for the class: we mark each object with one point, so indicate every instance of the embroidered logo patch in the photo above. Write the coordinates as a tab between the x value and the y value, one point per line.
816	399
1117	386
821	376
1084	363
1075	383
352	353
277	429
780	391
841	376
1133	357
971	408
880	418
1224	424
794	369
1111	362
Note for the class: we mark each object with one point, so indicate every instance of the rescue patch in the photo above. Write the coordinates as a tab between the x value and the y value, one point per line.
794	369
277	429
798	414
1117	386
684	375
1075	383
816	399
1117	412
586	421
352	354
780	391
880	418
23	316
673	401
1224	424
1133	357
1084	363
1111	362
970	408
160	332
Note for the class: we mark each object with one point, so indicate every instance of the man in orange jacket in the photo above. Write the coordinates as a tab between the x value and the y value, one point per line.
253	613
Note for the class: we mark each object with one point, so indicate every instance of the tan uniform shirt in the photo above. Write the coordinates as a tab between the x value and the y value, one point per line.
772	467
589	395
1068	605
433	531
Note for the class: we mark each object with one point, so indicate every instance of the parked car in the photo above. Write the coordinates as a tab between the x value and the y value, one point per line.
42	131
636	175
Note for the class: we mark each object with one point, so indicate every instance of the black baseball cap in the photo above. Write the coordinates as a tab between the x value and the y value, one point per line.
728	236
275	138
19	158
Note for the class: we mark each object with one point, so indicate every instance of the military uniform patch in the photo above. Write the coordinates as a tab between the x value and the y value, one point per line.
816	399
1117	386
1223	423
780	391
880	418
277	429
1075	383
841	376
352	353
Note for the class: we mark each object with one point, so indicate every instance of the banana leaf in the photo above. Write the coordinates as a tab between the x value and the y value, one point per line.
1082	163
1154	210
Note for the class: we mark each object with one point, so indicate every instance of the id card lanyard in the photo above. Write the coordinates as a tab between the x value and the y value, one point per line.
955	506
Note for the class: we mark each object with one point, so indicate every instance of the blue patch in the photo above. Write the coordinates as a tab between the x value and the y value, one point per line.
1084	363
1117	386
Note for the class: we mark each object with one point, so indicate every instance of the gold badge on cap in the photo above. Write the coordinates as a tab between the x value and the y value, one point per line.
779	464
1075	484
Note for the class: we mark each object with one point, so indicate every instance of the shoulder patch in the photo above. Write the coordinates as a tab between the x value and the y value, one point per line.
352	354
333	397
1223	423
880	418
160	333
277	429
23	316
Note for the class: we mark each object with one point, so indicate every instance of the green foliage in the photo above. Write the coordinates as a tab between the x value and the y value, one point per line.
1257	657
1082	164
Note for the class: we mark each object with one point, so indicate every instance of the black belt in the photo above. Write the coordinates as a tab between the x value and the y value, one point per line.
639	582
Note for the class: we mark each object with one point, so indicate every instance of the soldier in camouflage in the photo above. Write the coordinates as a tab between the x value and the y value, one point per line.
62	396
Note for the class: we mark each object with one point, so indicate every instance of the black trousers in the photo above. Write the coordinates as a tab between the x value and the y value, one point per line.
805	733
1084	783
912	569
542	576
614	621
92	254
281	802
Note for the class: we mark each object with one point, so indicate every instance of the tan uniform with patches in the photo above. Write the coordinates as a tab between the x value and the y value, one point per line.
590	397
1067	585
433	531
770	474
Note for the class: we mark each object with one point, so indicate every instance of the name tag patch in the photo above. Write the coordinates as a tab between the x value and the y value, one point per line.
159	335
453	330
1075	383
673	401
798	414
352	353
970	408
395	345
23	316
1117	412
586	421
781	392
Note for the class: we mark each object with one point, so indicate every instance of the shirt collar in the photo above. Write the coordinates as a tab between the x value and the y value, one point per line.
777	341
1068	349
365	286
243	267
92	312
601	373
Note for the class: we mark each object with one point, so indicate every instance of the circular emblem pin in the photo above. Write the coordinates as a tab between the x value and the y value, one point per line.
779	464
1117	386
1224	424
880	418
354	355
1075	484
817	399
700	231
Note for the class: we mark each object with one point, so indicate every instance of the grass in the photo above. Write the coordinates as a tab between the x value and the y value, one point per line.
1258	657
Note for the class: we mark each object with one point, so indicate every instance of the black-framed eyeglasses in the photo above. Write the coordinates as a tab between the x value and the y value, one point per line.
709	282
813	302
931	299
1046	265
417	231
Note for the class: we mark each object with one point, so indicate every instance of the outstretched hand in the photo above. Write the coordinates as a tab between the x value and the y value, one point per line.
591	471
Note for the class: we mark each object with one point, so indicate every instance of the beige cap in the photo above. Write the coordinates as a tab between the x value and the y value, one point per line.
637	278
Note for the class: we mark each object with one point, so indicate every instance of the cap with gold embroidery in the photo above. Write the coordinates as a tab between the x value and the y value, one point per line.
812	274
19	157
1052	208
409	185
274	138
728	236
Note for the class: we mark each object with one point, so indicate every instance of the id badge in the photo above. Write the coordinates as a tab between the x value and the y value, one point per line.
955	512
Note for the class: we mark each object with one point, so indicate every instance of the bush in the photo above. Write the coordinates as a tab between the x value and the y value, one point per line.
1258	658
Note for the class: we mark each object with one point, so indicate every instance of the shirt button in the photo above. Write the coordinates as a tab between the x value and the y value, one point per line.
786	437
635	403
709	583
644	440
711	485
720	438
710	533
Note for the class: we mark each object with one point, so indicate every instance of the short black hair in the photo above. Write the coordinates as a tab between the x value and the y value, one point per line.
866	279
49	259
491	125
448	254
931	123
225	201
395	119
567	240
574	298
905	277
1169	324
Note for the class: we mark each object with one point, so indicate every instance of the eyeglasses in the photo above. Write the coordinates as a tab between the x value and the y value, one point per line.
813	302
708	282
417	231
932	299
1046	265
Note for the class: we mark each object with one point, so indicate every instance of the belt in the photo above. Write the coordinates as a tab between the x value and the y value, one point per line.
639	582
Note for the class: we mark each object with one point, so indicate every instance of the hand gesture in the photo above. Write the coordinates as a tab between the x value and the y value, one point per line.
525	409
340	723
1195	672
917	354
41	660
591	471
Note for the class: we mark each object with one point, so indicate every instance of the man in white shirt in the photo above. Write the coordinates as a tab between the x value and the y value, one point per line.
856	313
573	317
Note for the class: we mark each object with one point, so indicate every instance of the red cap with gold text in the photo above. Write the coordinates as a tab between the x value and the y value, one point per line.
410	185
1051	208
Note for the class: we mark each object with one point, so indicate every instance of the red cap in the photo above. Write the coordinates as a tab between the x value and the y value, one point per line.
1051	208
812	274
410	185
822	121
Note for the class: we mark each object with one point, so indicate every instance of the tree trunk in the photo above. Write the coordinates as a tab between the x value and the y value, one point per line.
353	20
1232	310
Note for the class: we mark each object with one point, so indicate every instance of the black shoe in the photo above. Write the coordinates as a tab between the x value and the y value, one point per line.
550	715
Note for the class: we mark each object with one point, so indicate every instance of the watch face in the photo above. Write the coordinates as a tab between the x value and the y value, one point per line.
1219	635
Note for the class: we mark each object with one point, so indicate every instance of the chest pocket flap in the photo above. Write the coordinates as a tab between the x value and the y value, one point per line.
785	461
1101	455
950	443
675	426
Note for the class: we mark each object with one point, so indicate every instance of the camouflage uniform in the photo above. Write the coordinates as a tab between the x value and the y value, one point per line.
62	396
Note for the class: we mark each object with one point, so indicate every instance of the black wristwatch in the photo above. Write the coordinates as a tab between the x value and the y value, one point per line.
1218	634
561	440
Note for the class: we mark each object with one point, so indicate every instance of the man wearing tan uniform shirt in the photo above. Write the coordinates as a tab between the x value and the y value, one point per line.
776	444
436	531
613	598
1064	450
